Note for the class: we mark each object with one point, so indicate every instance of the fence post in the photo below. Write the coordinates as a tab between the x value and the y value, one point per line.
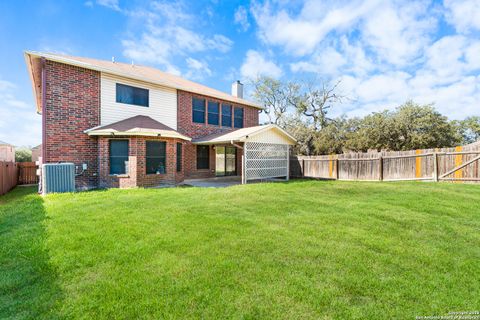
336	168
435	167
380	168
303	168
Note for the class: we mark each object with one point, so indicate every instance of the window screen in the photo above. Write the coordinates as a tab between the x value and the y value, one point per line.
238	118
198	110
203	157
132	95
213	113
226	115
156	157
118	156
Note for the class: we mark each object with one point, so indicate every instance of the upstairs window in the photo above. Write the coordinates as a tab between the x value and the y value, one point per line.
132	95
118	151
213	113
179	157
156	157
198	110
238	118
226	115
203	157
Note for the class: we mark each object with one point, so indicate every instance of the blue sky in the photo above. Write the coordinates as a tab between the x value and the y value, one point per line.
384	52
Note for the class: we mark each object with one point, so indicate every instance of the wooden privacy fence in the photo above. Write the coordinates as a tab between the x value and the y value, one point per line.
441	164
27	173
8	176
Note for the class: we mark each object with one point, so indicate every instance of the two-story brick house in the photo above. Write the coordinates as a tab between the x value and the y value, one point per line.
125	125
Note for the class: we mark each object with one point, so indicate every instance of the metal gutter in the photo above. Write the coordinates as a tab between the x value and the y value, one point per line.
44	111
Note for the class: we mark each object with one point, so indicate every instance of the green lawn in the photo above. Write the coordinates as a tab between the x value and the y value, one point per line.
297	250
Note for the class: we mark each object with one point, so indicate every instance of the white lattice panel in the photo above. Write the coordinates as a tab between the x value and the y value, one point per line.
265	160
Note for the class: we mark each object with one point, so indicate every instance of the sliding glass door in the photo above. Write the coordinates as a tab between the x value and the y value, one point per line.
225	161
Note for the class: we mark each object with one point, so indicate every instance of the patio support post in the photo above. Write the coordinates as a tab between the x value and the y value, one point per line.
288	163
244	164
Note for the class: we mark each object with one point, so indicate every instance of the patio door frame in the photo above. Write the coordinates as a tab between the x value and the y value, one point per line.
225	172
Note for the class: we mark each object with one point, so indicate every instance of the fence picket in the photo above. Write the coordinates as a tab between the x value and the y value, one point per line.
27	173
423	164
8	176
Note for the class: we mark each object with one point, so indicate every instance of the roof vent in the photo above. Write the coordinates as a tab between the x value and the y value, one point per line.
237	89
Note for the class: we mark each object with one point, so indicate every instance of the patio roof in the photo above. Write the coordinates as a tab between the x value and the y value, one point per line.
137	126
244	134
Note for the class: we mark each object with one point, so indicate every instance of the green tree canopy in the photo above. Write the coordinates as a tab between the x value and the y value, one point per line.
469	129
23	155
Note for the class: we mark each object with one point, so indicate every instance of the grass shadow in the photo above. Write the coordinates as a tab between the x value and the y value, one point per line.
28	281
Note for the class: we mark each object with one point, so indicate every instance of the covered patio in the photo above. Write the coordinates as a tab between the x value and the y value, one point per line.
264	152
217	182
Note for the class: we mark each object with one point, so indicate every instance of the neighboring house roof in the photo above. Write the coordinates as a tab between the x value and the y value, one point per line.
2	143
137	72
136	126
242	135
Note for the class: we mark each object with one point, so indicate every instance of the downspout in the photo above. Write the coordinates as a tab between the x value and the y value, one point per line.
236	145
44	112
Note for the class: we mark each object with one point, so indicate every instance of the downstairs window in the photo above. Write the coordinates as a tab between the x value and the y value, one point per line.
156	157
118	151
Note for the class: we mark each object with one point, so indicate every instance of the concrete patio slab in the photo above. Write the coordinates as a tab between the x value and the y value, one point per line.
219	182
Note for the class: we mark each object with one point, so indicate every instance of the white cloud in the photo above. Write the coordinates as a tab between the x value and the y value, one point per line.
398	33
19	124
255	64
392	86
6	85
220	42
464	15
385	52
450	59
197	70
112	4
328	61
472	55
300	34
167	33
335	60
457	99
241	18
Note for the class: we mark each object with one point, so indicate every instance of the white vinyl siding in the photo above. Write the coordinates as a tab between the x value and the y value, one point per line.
162	102
270	136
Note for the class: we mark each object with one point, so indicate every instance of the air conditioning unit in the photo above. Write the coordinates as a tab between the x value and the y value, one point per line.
58	177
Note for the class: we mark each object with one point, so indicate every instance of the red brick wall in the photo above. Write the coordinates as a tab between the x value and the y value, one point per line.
186	126
136	176
72	106
150	180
